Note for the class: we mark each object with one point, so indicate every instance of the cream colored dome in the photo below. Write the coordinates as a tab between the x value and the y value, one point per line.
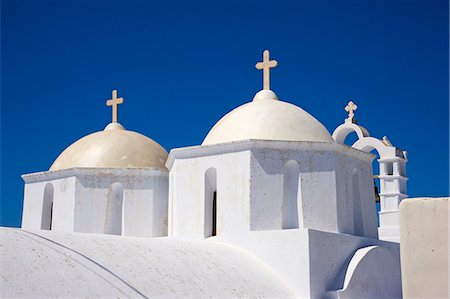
267	118
114	147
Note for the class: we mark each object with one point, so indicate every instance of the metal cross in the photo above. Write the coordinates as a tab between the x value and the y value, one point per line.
350	108
266	65
114	101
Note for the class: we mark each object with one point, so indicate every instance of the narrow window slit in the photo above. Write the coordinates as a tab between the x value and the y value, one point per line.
214	214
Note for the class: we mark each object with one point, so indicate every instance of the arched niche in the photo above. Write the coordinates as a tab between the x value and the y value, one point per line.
113	221
47	207
358	220
291	193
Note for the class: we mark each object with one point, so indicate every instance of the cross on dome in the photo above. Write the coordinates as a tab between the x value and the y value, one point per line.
266	65
350	108
114	102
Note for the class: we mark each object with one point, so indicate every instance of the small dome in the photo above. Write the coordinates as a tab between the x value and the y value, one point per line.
267	118
114	147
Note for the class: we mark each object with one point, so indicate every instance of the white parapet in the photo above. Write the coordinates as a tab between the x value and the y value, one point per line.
424	239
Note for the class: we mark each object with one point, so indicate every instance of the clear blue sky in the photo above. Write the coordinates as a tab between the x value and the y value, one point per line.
180	66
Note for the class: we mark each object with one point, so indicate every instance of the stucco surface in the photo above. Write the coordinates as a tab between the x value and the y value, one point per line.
51	264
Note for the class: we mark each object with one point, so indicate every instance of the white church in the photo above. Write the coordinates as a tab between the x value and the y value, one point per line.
270	205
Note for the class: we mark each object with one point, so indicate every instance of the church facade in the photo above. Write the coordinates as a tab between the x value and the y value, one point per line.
269	205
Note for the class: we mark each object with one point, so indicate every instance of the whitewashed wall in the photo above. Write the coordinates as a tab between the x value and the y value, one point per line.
130	202
267	185
191	191
37	210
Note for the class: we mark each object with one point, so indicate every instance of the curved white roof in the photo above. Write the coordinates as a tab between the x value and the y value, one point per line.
50	264
113	147
267	118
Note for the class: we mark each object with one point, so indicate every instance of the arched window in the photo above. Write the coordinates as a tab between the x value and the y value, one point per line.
113	221
358	222
47	207
290	195
210	203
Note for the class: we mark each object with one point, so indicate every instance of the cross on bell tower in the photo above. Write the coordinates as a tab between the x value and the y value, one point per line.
350	108
266	65
114	102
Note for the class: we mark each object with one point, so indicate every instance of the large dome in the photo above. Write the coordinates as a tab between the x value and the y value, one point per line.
52	264
114	147
267	118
